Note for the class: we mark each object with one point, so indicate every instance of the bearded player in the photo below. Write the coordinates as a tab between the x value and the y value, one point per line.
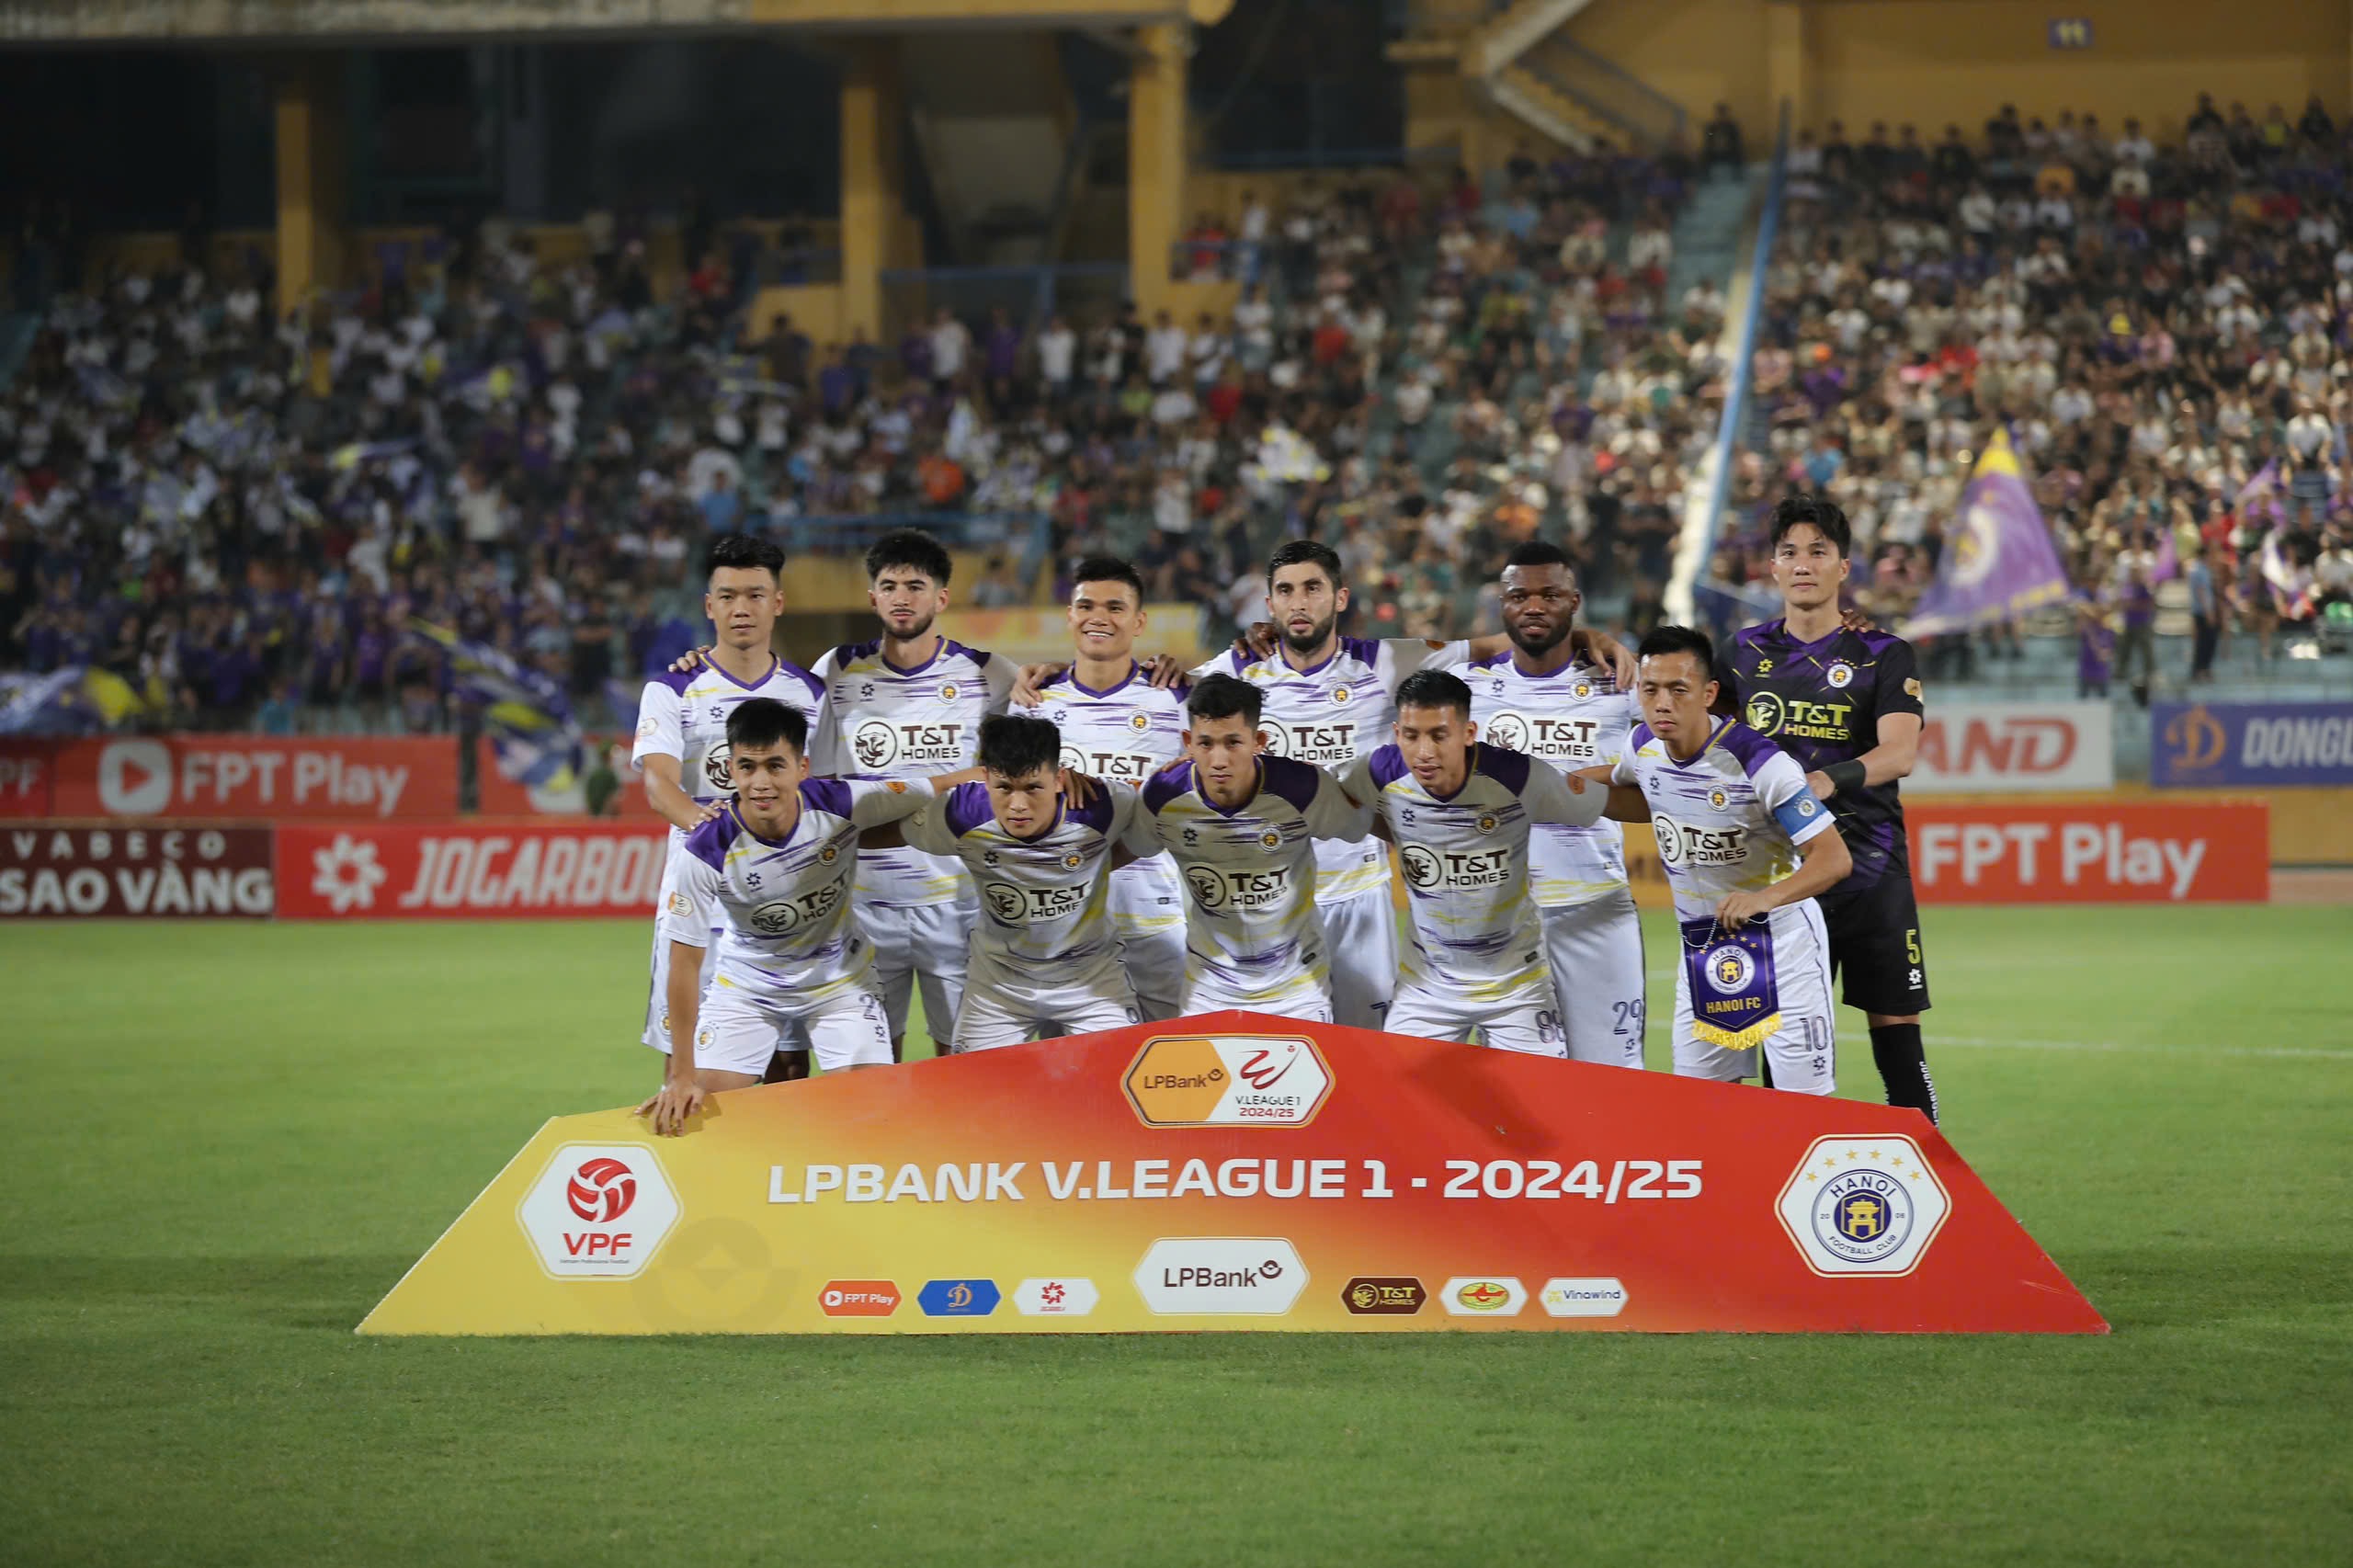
904	706
1460	812
681	744
1120	727
1847	704
1747	847
1542	697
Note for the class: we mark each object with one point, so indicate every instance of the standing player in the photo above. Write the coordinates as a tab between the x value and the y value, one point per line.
1541	696
1119	727
1846	704
1747	846
1045	956
772	872
682	717
906	705
1460	812
1243	827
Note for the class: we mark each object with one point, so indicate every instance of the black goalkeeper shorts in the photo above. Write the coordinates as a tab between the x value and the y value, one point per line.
1875	947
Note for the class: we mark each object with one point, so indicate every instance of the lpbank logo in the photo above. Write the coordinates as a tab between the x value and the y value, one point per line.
1230	1276
1228	1081
599	1211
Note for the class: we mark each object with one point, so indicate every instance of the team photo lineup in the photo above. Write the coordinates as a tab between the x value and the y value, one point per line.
1064	849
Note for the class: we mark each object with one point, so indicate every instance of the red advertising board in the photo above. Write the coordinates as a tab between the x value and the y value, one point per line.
499	795
452	871
145	872
2100	852
2003	747
363	777
27	769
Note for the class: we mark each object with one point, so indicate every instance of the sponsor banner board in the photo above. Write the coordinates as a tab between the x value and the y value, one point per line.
2099	852
2013	747
27	769
469	870
257	778
499	795
2262	743
1086	1186
144	871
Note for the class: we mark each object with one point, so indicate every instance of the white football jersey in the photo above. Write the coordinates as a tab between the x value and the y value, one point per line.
1043	900
1465	859
782	907
1124	734
1575	718
684	714
887	722
1728	821
1250	922
1328	717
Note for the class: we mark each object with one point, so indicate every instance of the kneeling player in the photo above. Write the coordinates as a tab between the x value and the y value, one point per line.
772	873
1242	826
1460	812
1747	846
1044	956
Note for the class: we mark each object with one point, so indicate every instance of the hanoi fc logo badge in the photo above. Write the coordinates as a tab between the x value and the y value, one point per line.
1864	1205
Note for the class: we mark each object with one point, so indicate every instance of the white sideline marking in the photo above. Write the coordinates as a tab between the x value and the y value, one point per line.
2299	1051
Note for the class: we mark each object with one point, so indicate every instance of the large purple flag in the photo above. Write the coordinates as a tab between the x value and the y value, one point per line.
1999	562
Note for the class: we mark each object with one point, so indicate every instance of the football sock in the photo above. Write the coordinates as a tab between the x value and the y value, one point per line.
786	1067
1903	1068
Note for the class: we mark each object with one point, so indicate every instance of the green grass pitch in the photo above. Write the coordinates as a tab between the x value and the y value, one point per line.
226	1142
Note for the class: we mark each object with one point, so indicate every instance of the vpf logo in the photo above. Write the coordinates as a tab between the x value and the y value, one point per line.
2196	739
602	1190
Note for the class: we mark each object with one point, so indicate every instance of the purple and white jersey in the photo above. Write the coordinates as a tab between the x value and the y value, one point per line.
1465	858
887	722
1124	734
1574	717
781	907
1728	821
1043	900
1249	873
1328	717
684	714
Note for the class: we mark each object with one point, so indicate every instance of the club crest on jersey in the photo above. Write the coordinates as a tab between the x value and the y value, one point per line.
1486	822
1340	696
947	691
1719	798
1582	691
828	855
1270	841
1071	861
1840	674
1139	721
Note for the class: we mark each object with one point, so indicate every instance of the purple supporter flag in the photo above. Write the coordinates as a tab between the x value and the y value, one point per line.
1999	562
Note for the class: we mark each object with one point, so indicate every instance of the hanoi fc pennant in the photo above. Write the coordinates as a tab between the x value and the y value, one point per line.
1235	1171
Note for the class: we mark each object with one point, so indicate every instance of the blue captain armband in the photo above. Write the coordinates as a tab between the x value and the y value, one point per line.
1799	813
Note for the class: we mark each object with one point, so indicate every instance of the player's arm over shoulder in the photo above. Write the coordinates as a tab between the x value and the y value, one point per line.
1568	799
1332	810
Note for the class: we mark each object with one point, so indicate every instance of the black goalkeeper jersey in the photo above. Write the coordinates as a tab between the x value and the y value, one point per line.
1820	702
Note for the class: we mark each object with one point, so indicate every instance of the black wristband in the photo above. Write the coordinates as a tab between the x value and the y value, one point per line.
1845	777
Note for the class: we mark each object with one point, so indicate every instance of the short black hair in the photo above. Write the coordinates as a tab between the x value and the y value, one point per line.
1822	512
1017	744
1305	552
1224	697
1538	553
1107	569
744	550
1663	640
759	722
909	547
1434	688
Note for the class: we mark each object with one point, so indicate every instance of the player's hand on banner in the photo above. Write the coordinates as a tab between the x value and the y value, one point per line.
1028	686
676	1101
1600	648
1163	670
1739	909
692	659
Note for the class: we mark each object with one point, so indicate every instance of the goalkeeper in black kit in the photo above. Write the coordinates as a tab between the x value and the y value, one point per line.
1847	705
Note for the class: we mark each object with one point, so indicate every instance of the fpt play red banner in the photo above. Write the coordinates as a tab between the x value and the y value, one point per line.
2103	852
1237	1172
28	768
257	778
470	871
